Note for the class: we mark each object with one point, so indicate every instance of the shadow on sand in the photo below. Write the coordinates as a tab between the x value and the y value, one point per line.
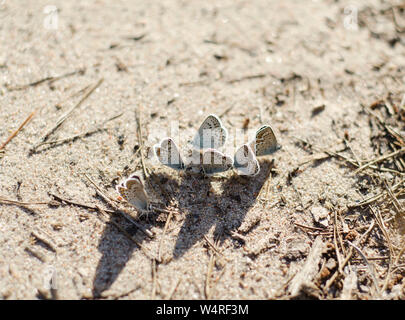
203	209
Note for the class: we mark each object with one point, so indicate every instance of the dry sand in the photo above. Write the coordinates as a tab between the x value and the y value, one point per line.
267	61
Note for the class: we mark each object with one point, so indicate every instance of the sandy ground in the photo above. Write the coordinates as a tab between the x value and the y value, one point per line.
300	66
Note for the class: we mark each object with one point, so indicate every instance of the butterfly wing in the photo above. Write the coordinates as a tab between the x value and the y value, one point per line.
211	134
214	161
133	191
265	141
246	162
168	154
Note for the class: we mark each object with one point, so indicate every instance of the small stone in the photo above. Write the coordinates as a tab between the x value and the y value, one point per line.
320	215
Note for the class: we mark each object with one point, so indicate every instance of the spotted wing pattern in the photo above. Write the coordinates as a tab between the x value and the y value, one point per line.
265	141
133	191
211	134
168	154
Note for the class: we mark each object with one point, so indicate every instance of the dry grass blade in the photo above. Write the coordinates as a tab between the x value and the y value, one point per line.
140	139
395	201
377	197
66	115
381	224
163	235
251	77
20	203
154	279
173	290
370	267
18	129
43	80
81	135
207	288
310	268
398	27
379	159
213	247
332	279
339	259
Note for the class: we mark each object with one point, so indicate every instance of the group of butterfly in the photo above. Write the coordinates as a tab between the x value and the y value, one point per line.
205	157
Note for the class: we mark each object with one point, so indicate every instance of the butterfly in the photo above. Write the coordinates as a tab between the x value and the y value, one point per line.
209	161
133	191
204	156
265	141
168	154
245	161
211	134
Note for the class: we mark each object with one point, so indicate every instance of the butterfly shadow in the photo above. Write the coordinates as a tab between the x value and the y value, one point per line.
226	210
116	250
201	207
113	260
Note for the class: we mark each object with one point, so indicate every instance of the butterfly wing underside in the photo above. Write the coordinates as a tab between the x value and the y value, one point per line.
133	191
211	134
245	161
214	161
168	154
265	141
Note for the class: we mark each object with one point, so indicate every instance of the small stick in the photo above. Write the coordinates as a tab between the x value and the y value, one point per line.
207	290
75	94
67	114
19	203
237	236
373	258
154	279
401	252
195	83
214	248
139	132
308	227
379	159
381	224
395	201
256	76
173	290
44	240
370	268
36	254
72	138
80	135
163	234
329	153
349	255
339	259
86	206
38	82
375	198
387	170
19	129
396	134
399	28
